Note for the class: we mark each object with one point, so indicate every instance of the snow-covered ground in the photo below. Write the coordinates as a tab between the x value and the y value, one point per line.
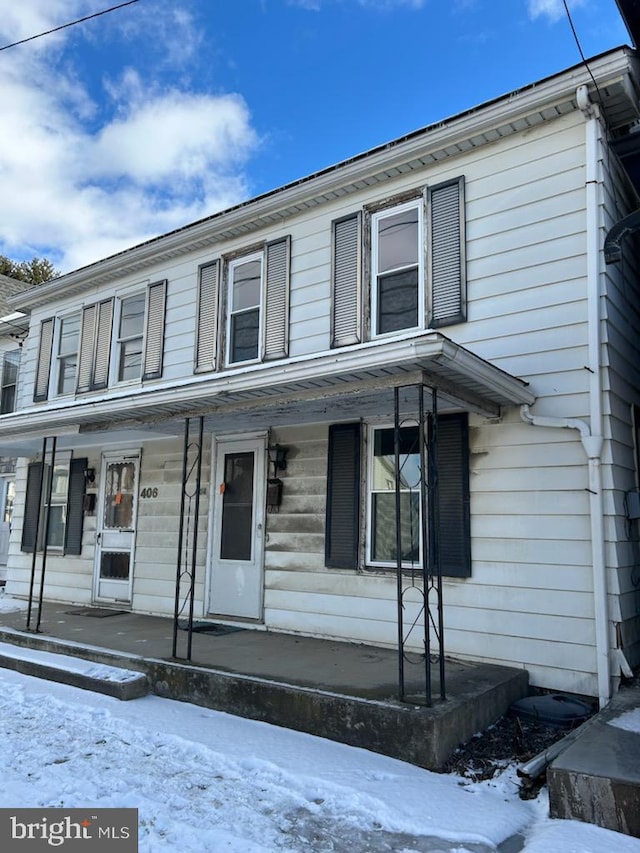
207	782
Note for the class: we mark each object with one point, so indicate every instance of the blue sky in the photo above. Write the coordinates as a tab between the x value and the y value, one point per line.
162	112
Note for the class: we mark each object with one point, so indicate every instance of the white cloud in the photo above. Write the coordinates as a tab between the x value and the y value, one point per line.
84	177
551	9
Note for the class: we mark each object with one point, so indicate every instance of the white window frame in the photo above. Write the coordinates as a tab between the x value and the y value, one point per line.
370	491
56	361
232	265
63	462
376	218
13	385
117	341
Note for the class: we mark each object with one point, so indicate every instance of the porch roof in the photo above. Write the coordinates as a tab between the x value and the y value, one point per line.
323	387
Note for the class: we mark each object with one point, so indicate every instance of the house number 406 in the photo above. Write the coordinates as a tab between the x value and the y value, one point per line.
149	493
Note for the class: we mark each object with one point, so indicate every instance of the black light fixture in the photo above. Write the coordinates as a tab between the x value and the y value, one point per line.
89	476
277	457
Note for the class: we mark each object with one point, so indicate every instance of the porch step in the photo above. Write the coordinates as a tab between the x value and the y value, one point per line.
111	680
597	778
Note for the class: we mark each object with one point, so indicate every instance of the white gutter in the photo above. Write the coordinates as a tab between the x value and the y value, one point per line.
591	434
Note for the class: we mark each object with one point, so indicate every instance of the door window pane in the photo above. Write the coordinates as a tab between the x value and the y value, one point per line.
237	507
114	565
119	494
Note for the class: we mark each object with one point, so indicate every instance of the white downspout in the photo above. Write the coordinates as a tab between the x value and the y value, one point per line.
592	434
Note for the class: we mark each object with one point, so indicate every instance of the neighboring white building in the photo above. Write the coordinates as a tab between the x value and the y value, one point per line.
13	330
465	257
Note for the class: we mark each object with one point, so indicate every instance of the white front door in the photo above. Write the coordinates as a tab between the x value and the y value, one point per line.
236	588
116	525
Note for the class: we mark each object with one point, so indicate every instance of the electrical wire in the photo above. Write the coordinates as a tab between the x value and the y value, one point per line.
583	57
70	24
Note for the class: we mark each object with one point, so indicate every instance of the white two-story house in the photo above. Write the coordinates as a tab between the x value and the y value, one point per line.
412	365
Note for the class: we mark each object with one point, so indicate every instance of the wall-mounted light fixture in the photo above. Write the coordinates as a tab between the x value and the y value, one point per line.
89	476
277	457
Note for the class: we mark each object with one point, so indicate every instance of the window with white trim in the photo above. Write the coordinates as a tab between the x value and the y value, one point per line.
67	354
107	342
382	547
244	309
130	337
416	276
397	268
246	319
10	362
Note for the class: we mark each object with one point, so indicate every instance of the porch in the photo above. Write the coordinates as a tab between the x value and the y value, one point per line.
342	691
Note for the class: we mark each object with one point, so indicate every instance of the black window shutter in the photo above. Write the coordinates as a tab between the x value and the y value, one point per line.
446	228
32	503
41	388
343	497
154	338
346	276
208	299
276	338
454	533
75	507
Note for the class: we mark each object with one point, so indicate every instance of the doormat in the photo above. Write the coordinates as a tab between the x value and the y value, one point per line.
211	628
96	612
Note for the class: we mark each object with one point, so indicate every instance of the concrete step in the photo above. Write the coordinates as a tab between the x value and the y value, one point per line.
597	778
87	674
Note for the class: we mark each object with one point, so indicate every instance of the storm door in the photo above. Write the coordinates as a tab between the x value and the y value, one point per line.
116	527
238	541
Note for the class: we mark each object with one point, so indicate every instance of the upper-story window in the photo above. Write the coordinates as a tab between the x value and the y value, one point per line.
10	362
245	304
67	354
399	267
130	337
248	320
397	280
90	342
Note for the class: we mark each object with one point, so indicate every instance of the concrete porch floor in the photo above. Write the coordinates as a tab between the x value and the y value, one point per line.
343	691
